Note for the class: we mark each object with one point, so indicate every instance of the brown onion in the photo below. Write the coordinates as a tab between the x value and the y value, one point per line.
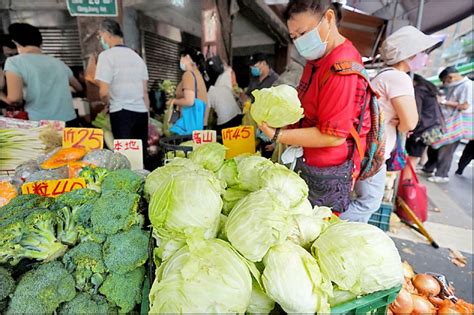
403	304
426	285
421	306
448	308
408	270
436	301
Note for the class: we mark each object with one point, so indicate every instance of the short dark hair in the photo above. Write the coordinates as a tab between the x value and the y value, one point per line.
315	6
255	58
420	81
25	34
447	71
112	27
197	57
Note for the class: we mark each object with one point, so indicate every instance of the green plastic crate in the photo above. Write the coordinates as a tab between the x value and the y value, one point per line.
375	303
381	218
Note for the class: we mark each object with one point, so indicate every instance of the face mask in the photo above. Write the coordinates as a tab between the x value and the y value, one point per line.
255	71
419	62
182	66
104	45
310	45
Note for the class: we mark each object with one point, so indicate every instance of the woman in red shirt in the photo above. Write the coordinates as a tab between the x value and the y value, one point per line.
332	104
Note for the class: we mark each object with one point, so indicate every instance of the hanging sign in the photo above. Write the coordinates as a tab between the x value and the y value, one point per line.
92	7
204	136
239	140
53	188
88	138
132	149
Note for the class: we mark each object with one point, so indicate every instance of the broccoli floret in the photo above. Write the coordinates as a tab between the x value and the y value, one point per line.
7	286
126	251
42	290
77	197
86	265
30	235
85	303
94	176
124	290
123	179
115	210
23	204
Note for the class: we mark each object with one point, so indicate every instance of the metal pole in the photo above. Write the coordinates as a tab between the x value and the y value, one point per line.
419	16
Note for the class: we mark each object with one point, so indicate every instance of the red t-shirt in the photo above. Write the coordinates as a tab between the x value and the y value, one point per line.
334	108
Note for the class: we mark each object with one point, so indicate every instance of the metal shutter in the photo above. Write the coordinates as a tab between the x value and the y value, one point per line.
162	59
62	43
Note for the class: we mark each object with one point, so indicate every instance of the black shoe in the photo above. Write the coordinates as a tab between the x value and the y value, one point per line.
458	172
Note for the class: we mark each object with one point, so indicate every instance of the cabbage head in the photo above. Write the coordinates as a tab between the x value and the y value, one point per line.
205	276
230	198
260	302
305	228
248	169
228	173
278	106
258	222
186	203
209	155
358	257
292	278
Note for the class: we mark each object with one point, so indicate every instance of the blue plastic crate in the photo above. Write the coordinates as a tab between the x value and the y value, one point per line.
381	218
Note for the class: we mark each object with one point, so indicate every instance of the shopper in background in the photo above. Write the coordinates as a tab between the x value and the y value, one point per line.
458	91
466	157
262	75
403	51
123	85
41	81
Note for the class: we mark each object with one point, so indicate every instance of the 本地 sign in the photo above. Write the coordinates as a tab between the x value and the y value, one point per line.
239	140
87	138
132	149
92	7
53	188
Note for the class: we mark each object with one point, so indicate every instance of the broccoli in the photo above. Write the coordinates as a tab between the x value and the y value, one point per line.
77	197
124	290
126	251
30	234
23	204
7	286
123	179
115	210
85	303
41	290
94	176
86	265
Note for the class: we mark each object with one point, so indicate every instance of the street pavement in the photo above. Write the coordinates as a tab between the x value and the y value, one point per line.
450	223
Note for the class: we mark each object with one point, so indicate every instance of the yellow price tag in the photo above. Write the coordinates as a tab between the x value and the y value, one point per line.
88	138
53	188
239	140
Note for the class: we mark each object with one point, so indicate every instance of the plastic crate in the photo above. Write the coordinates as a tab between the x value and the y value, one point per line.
381	218
374	303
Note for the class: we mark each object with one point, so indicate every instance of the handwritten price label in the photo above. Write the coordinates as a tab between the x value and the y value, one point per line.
204	136
132	149
53	188
88	138
239	140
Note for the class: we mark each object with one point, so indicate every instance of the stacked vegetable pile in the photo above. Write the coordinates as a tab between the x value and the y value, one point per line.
240	235
425	294
86	247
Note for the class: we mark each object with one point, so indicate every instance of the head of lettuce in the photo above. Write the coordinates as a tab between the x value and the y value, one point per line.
278	106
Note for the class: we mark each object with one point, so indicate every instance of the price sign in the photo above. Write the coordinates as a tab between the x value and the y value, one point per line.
88	138
239	140
203	136
53	188
132	149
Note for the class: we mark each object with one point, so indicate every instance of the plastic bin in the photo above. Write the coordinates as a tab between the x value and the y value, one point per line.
381	218
171	147
374	303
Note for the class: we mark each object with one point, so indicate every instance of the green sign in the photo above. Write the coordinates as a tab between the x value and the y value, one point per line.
92	7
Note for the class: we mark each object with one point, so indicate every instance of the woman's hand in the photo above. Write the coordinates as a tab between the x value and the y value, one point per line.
267	131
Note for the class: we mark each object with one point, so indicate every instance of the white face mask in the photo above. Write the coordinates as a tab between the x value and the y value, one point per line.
310	46
182	66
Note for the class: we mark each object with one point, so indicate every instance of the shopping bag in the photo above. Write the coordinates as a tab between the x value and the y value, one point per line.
454	130
414	194
192	118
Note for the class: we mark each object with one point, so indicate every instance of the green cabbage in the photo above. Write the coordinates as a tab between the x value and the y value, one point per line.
358	257
206	276
248	169
292	278
305	228
258	222
278	106
230	198
179	153
228	173
186	203
210	156
260	303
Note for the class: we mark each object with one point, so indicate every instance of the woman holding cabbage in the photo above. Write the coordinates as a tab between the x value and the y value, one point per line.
332	104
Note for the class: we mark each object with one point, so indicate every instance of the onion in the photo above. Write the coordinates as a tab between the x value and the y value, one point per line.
403	304
408	270
436	301
426	285
421	306
448	307
408	285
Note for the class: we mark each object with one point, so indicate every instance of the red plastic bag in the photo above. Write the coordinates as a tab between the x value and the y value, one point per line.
414	194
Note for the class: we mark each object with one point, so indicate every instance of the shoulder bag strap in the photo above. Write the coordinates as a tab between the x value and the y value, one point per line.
195	85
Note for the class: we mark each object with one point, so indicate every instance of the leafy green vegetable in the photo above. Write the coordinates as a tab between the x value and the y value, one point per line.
206	276
85	303
209	155
278	106
94	176
358	257
292	278
258	222
305	228
248	168
123	179
260	302
230	197
228	173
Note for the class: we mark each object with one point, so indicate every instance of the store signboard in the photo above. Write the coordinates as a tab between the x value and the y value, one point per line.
92	7
88	138
132	149
204	136
239	140
53	188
